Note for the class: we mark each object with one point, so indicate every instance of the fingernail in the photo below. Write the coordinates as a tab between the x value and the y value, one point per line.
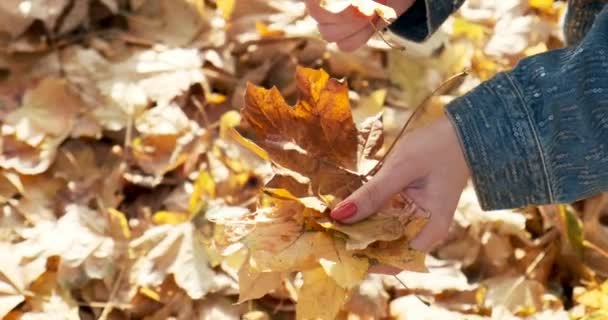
344	210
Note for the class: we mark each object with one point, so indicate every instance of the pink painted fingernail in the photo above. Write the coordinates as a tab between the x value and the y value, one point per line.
344	211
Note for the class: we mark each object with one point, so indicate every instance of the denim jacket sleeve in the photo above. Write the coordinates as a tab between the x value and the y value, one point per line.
538	134
420	21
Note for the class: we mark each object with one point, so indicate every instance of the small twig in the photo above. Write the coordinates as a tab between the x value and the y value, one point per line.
593	246
449	83
427	303
388	43
110	305
100	305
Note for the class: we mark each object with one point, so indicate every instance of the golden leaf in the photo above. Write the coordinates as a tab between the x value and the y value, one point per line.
320	297
303	254
347	270
253	285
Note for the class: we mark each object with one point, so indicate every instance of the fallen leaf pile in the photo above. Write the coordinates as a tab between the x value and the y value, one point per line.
147	171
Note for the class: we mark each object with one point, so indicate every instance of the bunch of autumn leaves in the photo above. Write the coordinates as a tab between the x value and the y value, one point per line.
319	157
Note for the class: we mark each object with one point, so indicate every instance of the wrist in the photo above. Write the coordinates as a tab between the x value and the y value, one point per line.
455	147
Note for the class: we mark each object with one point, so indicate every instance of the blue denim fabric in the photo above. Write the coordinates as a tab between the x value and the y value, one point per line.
538	134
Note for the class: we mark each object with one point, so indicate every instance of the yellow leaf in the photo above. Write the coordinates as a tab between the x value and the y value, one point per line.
320	297
465	28
347	270
248	144
573	227
370	105
543	5
119	219
383	226
254	285
170	217
302	254
228	121
594	298
204	188
226	7
264	31
150	293
217	98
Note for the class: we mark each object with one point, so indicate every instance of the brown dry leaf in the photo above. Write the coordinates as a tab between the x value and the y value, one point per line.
17	15
397	254
320	297
173	23
319	126
125	88
514	293
173	249
59	16
387	225
369	300
12	281
59	305
79	237
166	136
32	133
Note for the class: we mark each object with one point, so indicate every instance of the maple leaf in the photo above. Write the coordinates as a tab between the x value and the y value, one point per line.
173	249
79	237
31	134
319	126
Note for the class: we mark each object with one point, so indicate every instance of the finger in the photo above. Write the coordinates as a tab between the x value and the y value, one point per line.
435	230
370	197
324	16
334	32
356	40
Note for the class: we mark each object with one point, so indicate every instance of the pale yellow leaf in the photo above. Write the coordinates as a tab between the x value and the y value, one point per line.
254	285
345	269
302	254
320	297
177	250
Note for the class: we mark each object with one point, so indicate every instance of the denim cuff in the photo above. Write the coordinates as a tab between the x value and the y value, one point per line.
420	21
501	145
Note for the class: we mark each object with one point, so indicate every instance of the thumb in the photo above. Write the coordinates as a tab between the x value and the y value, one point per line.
369	198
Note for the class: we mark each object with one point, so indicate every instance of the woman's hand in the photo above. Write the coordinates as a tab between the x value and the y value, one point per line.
428	167
350	29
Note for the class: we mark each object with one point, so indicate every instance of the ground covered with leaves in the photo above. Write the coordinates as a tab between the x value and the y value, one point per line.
149	171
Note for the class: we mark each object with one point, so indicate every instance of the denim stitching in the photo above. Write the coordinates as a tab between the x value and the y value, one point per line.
536	137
